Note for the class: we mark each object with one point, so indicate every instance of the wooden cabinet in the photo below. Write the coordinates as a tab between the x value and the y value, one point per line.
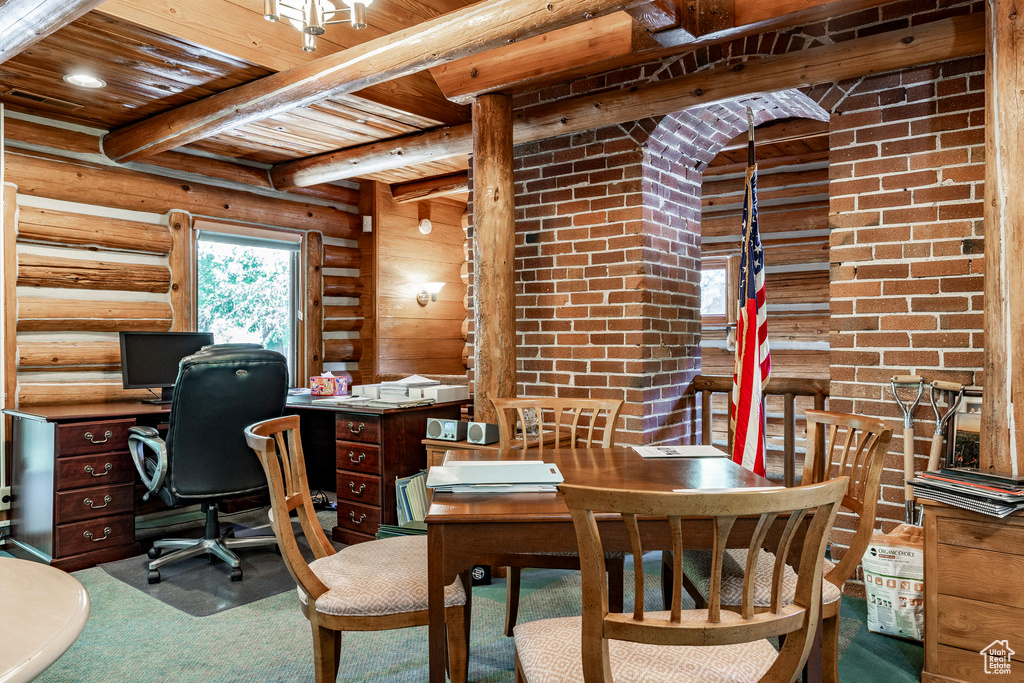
974	567
372	447
72	483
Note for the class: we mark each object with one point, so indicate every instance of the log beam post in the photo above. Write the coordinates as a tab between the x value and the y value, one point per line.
494	254
1002	425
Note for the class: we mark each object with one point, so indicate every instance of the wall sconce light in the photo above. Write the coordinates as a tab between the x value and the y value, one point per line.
428	293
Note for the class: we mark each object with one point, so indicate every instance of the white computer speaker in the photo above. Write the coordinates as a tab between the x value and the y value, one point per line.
482	432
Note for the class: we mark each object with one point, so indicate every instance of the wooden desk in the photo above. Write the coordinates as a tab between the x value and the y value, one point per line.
69	459
73	482
468	529
372	447
43	612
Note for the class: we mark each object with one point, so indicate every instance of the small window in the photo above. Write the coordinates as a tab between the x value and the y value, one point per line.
247	289
717	290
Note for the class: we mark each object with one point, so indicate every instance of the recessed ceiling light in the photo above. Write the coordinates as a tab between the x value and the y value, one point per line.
85	81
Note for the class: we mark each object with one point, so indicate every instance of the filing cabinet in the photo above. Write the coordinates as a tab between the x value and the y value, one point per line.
73	491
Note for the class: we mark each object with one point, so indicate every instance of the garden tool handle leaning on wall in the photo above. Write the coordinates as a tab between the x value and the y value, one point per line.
908	435
952	404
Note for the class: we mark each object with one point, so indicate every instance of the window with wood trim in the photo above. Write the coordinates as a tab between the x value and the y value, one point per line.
247	288
718	290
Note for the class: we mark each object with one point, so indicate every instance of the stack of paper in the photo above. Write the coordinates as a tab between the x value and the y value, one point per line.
972	490
400	388
495	476
678	452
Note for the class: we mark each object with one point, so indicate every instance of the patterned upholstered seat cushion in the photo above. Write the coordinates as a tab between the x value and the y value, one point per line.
388	576
549	650
697	568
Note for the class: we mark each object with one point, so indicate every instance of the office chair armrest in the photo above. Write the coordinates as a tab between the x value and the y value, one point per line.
140	439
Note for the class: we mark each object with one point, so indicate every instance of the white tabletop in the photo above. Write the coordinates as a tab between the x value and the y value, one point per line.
42	612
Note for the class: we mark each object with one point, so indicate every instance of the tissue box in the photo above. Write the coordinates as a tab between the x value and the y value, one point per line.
328	386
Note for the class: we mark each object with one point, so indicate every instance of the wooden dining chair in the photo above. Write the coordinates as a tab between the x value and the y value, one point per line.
602	647
373	586
838	445
577	420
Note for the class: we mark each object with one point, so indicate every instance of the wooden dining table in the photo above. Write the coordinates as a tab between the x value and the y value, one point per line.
468	529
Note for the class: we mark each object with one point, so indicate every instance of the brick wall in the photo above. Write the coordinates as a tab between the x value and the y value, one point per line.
605	236
907	172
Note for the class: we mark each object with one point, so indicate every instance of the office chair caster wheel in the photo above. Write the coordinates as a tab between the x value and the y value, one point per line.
154	576
236	574
154	553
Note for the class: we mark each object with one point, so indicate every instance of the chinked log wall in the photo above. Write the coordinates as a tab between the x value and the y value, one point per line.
100	249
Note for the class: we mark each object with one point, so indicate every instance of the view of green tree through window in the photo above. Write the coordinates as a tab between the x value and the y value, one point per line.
245	292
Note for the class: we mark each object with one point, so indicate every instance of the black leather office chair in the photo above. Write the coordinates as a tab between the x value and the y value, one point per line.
220	391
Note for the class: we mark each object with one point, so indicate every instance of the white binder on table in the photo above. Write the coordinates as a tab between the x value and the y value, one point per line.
495	476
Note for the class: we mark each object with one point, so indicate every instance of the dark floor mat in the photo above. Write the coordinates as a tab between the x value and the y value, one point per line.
197	587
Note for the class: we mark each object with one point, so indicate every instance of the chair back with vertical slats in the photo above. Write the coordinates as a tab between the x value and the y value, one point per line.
838	445
278	444
779	519
580	418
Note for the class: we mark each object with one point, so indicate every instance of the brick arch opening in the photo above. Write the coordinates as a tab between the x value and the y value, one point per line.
675	153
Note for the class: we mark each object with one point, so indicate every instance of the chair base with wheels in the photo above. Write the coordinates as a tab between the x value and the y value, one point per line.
216	543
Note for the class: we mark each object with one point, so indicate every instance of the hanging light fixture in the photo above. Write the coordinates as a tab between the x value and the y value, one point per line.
312	17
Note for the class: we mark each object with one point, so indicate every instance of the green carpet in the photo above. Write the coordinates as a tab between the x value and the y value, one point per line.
131	637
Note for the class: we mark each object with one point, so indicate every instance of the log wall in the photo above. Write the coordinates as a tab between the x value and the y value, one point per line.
414	339
100	248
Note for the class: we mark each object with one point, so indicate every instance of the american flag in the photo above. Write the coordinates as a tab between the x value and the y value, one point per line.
753	361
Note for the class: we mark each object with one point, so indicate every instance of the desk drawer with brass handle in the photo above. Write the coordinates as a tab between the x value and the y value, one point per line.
94	534
356	427
364	518
92	437
93	470
358	457
361	488
96	501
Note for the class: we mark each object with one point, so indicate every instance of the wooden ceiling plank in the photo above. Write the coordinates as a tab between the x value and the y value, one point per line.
764	164
934	42
25	22
468	31
567	50
780	131
431	188
278	46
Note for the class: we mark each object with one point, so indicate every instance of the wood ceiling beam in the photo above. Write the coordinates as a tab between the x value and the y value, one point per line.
431	188
780	131
476	28
569	51
277	46
751	17
765	164
935	42
23	22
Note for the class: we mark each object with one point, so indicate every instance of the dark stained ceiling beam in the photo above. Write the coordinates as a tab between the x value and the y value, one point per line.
473	29
938	41
23	22
431	188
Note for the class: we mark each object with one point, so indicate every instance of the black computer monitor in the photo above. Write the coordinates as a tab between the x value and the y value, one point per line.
149	360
